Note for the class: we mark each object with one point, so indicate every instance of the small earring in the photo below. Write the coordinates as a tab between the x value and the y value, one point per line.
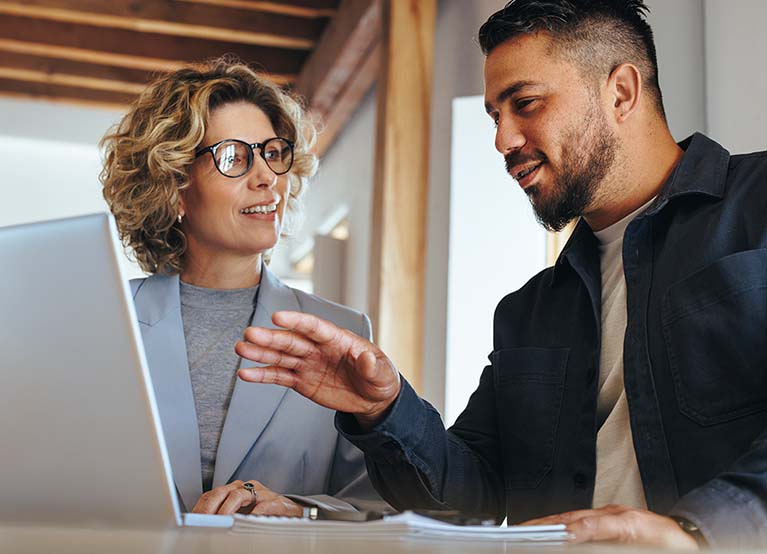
180	217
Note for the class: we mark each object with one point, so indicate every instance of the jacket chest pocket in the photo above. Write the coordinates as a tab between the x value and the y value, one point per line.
529	383
715	330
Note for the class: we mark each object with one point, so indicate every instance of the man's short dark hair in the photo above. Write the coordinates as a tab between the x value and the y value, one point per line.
597	35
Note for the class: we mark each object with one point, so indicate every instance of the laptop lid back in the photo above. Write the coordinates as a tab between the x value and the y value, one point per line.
79	428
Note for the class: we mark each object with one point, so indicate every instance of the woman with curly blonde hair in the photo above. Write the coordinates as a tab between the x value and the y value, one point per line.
203	174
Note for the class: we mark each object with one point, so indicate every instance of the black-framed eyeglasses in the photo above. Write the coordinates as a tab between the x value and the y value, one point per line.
234	158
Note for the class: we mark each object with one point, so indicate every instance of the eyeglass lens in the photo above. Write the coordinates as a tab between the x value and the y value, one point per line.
234	157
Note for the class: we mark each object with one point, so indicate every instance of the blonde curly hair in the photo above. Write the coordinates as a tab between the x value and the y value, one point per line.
149	152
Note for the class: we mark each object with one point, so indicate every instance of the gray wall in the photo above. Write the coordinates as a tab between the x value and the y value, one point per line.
343	185
736	73
679	40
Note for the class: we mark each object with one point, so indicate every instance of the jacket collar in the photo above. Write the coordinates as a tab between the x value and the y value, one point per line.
158	308
156	297
701	171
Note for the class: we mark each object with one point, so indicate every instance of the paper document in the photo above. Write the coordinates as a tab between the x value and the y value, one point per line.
406	525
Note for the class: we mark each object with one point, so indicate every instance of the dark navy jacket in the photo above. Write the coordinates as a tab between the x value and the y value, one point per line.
695	365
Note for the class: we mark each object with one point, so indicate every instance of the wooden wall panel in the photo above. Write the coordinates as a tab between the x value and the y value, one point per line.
398	248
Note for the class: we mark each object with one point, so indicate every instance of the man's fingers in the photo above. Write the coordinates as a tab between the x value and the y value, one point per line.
276	339
568	517
367	364
312	327
267	356
631	527
601	528
269	375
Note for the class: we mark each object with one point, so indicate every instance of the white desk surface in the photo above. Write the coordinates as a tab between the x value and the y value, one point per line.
64	540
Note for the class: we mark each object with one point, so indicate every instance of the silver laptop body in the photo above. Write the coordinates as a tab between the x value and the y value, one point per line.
80	436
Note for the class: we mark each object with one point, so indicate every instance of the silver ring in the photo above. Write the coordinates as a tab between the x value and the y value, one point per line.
252	488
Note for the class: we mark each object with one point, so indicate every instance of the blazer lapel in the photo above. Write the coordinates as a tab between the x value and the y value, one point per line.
252	405
158	307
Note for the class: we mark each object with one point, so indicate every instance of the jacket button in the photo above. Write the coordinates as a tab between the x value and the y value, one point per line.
580	480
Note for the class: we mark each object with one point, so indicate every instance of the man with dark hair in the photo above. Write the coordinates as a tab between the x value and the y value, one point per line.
627	387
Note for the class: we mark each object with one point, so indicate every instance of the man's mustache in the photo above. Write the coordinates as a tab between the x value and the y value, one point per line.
518	158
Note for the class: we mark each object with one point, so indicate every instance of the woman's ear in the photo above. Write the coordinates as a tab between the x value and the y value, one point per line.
181	208
625	89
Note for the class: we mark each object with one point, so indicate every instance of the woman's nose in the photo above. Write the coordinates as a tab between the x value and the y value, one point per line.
261	175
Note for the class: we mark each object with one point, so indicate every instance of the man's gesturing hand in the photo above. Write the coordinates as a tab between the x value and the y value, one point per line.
328	365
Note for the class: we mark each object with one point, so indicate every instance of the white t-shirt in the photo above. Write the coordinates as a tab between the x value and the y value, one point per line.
617	480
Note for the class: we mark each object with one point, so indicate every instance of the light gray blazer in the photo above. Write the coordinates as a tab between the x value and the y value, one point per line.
271	433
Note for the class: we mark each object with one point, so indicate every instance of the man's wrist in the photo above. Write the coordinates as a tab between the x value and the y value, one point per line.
691	529
368	421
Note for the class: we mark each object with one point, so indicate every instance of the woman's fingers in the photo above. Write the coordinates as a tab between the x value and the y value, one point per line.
277	505
211	501
236	499
232	498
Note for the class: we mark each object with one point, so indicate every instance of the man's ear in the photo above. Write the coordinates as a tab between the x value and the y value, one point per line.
625	89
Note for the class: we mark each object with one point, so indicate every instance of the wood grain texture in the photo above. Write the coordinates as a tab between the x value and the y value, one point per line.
341	50
398	245
54	92
102	43
178	18
298	8
349	99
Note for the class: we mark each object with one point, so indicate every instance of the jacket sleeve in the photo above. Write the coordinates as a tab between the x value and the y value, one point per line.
731	509
416	464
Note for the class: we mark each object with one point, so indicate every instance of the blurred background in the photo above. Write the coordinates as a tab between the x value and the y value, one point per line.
411	217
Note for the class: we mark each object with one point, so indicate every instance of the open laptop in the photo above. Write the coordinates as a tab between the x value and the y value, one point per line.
80	436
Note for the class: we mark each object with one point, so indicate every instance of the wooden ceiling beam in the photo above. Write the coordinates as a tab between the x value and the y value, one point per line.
173	17
32	76
133	79
53	92
342	47
349	99
298	8
343	66
90	57
131	48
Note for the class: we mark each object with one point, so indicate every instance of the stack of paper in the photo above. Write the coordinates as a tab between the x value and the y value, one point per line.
401	526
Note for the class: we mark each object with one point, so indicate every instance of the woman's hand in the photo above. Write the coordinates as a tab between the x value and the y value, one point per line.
235	498
328	365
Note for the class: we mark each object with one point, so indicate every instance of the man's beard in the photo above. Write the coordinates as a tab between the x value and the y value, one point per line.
586	159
